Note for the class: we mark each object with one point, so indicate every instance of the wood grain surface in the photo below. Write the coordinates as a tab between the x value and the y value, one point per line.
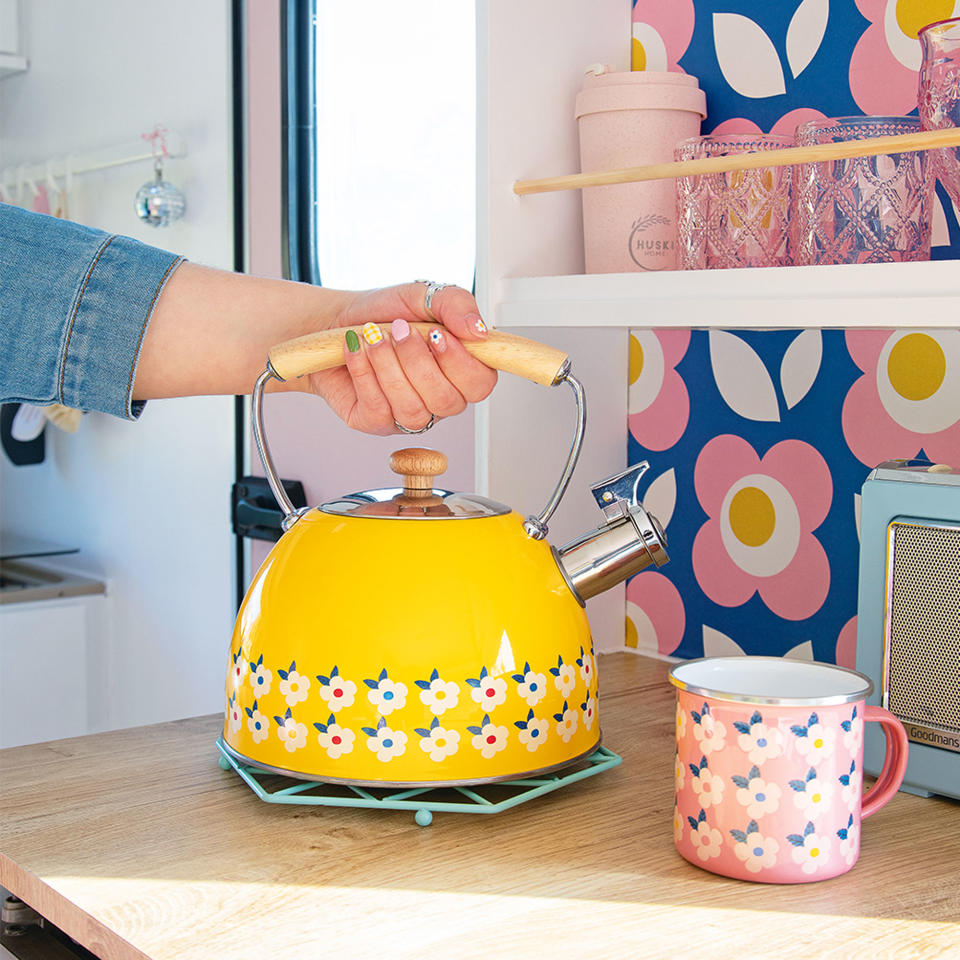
139	845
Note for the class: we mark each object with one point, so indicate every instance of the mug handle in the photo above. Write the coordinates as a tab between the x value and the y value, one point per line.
894	762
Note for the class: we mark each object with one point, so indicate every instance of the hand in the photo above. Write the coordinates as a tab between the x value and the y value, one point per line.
400	378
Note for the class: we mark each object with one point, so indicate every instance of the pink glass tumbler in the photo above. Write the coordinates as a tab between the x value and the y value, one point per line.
939	98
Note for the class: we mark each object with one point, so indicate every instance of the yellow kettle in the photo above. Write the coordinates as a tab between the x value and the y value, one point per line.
342	671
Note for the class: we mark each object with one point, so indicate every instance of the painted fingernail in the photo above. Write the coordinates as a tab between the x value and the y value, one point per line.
399	330
478	323
372	334
353	341
437	340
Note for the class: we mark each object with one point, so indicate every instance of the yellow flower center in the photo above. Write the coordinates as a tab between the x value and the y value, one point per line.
914	14
752	516
639	58
814	851
916	366
818	743
636	350
439	695
816	798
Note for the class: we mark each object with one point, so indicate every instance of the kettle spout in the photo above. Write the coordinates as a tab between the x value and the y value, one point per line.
628	541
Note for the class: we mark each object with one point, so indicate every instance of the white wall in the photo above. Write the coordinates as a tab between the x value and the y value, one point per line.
147	502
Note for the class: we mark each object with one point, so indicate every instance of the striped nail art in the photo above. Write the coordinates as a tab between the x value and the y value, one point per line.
372	334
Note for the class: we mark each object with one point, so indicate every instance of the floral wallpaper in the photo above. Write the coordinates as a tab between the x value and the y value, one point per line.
759	441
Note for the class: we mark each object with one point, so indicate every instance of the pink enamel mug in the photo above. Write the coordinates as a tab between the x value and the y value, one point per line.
768	772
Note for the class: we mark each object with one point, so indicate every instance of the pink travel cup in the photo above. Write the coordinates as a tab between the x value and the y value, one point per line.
768	773
629	120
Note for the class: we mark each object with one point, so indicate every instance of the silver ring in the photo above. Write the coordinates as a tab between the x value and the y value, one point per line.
433	288
404	429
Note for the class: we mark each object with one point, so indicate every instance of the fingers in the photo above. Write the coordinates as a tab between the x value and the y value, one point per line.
455	308
473	380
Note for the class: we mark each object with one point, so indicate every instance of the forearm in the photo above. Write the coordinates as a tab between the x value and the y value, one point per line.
211	330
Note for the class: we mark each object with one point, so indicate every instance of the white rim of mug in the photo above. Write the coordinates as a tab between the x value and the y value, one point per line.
771	701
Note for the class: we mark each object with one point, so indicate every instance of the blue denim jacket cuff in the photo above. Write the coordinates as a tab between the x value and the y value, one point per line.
107	322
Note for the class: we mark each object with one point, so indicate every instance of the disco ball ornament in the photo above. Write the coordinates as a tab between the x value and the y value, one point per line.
159	202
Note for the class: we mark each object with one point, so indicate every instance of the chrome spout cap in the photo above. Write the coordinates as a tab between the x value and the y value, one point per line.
628	541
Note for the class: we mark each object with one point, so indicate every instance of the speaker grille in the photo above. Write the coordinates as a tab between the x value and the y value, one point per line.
923	625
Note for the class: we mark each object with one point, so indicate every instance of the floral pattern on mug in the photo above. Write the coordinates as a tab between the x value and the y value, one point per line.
336	740
812	795
756	794
532	686
677	825
679	773
815	741
849	841
758	741
852	732
710	734
533	731
586	664
681	722
707	786
292	734
385	742
438	742
293	686
488	738
260	678
564	677
851	786
386	695
566	723
589	708
438	694
257	724
811	850
337	692
706	839
754	849
488	691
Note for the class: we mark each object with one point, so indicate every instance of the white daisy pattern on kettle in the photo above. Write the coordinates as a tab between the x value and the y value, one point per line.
589	709
564	677
679	773
234	721
488	691
438	742
292	734
336	691
489	738
705	838
814	740
681	722
810	849
438	694
386	695
385	742
756	794
707	785
755	850
566	723
333	738
533	732
812	795
260	678
293	687
852	732
677	824
849	841
587	666
257	724
710	734
239	669
532	686
758	741
851	786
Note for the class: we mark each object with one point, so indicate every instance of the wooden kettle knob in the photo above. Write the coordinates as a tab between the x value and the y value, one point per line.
418	466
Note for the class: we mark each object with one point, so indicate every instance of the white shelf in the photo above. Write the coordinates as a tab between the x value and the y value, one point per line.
11	64
924	294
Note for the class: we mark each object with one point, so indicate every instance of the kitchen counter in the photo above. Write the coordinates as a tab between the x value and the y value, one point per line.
138	845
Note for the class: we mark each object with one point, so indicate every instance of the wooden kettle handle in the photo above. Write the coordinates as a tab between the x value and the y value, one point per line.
502	351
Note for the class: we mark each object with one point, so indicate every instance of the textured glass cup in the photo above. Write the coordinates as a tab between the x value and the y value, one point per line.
736	219
864	209
939	98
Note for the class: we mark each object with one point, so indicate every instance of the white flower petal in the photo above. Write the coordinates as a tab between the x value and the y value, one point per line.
800	366
747	57
717	644
661	497
742	379
905	49
802	651
805	33
654	49
646	632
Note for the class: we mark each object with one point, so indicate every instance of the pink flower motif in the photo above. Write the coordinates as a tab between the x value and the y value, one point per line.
758	537
663	32
884	63
658	402
785	127
655	614
908	398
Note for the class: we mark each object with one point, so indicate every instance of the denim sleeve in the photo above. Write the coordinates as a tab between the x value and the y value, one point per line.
74	306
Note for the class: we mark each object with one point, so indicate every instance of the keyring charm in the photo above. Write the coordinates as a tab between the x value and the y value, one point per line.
433	288
404	429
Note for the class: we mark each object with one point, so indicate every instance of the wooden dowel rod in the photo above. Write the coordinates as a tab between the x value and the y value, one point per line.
875	146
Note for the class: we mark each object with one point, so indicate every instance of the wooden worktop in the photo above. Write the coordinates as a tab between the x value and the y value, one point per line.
138	845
